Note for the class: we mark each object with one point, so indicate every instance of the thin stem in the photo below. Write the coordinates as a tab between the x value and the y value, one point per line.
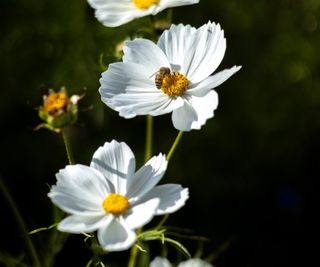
133	256
174	145
29	245
149	135
67	144
147	156
134	252
163	220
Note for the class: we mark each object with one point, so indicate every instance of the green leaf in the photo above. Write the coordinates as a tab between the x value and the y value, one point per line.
179	246
42	229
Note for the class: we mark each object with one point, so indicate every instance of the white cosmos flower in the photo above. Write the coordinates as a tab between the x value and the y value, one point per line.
191	55
110	197
163	262
113	13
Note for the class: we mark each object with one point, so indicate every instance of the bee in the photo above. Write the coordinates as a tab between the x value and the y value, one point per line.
159	75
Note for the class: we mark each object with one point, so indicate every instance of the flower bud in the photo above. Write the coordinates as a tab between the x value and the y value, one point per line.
58	110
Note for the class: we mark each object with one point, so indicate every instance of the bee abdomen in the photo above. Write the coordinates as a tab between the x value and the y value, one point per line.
161	73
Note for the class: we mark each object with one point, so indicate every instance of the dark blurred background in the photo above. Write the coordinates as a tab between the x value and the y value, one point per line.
251	170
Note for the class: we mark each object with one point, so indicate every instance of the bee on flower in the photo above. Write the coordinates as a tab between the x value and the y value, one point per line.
115	13
176	76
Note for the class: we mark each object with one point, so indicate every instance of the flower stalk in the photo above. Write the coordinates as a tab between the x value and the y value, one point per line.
133	256
174	145
149	137
29	244
67	144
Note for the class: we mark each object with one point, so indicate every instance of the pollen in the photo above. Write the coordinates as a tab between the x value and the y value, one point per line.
56	102
115	204
174	84
145	4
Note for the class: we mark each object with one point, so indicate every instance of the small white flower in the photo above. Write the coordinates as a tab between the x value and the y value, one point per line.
163	262
172	76
113	13
110	197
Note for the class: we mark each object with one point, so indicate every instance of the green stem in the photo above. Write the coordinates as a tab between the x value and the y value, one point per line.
134	252
133	256
67	144
147	156
149	135
163	220
174	145
29	245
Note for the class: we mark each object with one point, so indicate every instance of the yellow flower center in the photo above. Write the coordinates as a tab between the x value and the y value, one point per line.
174	84
145	4
55	102
115	204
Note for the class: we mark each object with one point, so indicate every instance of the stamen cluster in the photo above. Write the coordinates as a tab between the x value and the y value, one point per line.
145	4
56	102
174	84
115	204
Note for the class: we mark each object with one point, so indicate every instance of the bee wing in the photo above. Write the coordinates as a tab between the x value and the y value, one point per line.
153	74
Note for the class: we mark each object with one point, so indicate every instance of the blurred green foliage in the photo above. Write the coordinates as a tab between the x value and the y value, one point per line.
251	170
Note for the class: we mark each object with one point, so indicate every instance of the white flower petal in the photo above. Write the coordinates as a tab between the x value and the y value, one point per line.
127	88
175	3
116	161
205	51
146	53
141	214
171	3
146	177
76	202
116	236
121	76
194	263
80	190
212	81
172	197
84	224
183	117
195	112
115	13
173	43
130	105
160	262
